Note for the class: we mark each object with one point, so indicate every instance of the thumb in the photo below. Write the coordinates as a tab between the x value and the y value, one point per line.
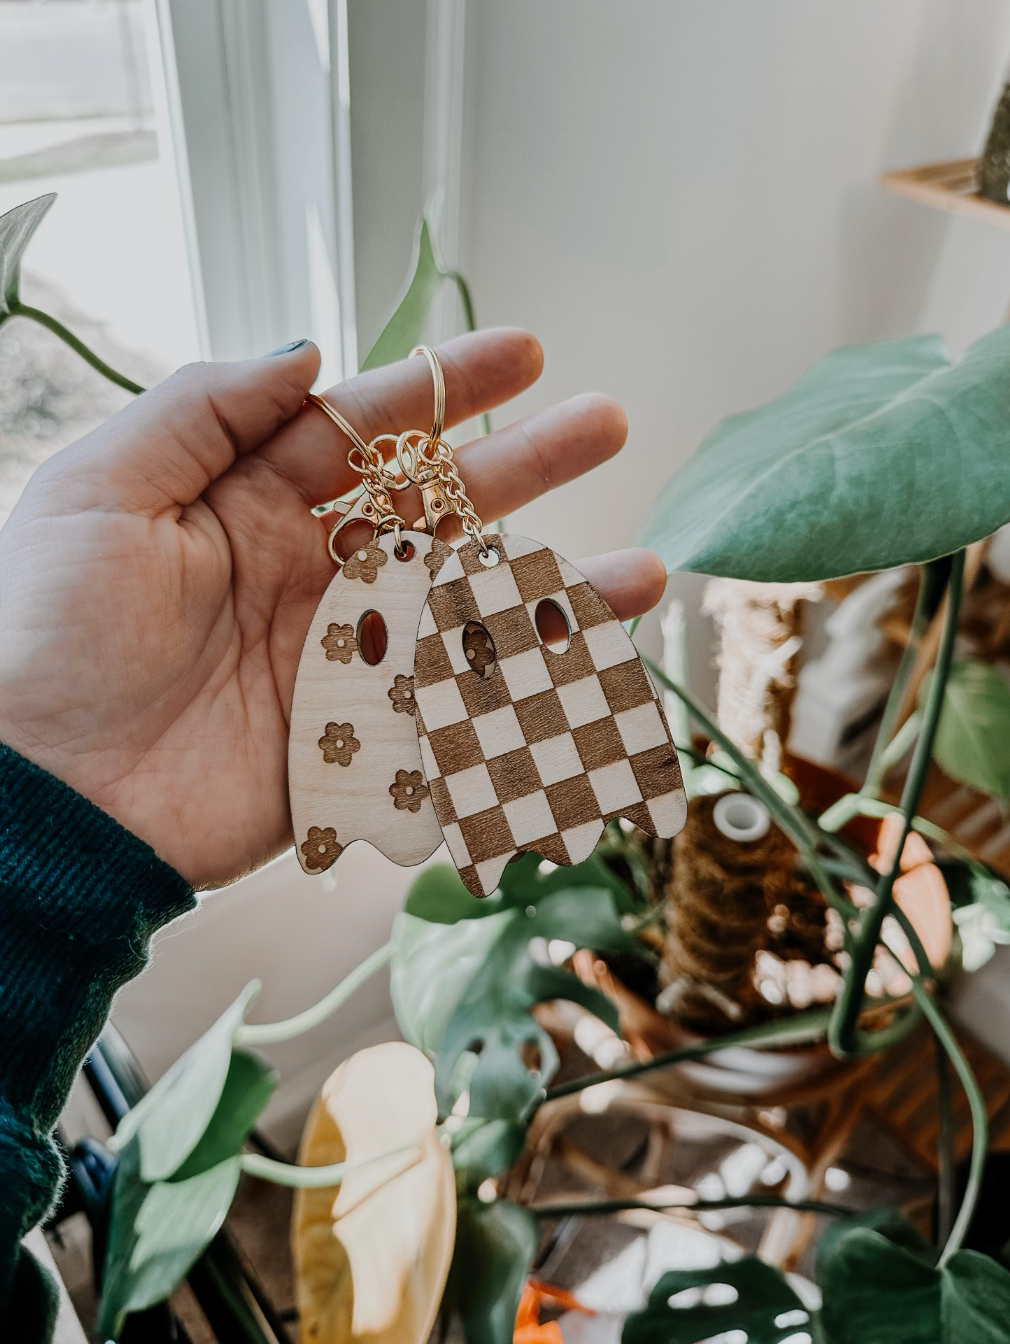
166	447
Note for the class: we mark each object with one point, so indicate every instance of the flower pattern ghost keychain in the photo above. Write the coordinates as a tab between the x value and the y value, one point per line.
354	766
525	746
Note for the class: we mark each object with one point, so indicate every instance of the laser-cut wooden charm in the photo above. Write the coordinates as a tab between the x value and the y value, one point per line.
354	765
525	748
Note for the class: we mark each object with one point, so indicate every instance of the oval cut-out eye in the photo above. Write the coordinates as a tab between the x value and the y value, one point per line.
479	650
372	637
552	626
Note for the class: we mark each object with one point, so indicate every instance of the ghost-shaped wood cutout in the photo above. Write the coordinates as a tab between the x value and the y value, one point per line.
354	767
525	747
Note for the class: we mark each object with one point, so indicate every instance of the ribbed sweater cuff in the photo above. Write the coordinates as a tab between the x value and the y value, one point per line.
80	897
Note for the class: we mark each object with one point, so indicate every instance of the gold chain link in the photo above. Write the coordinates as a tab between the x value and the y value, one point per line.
420	456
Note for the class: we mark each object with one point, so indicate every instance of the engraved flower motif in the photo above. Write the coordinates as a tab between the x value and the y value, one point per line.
339	643
437	556
338	744
321	848
408	791
402	695
364	564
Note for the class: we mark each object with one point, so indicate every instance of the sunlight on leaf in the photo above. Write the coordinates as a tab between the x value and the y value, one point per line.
156	1233
172	1118
17	227
406	327
881	455
371	1260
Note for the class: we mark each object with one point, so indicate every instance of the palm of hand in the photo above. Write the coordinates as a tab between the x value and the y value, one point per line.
156	602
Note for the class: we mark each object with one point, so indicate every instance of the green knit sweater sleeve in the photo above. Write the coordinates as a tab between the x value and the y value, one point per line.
80	898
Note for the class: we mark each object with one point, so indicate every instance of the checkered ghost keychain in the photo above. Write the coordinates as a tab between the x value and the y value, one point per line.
354	765
525	745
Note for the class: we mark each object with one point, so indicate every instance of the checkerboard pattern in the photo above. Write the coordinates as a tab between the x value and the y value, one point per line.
541	754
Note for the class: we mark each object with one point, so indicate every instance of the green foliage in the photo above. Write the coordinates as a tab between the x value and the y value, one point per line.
880	455
763	1300
495	1245
981	903
157	1231
484	1148
972	743
875	1290
17	227
433	963
879	1282
405	329
463	978
171	1119
160	1225
248	1087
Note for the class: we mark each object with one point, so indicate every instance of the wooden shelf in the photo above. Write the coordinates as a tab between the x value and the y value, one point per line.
948	186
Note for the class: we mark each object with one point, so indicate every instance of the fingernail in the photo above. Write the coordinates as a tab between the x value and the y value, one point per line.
287	349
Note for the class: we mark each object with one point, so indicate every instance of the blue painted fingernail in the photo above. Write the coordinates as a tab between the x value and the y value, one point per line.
287	349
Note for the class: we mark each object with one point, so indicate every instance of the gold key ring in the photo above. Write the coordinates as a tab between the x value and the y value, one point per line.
374	504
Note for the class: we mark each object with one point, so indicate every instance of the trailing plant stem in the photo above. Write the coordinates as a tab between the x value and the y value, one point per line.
979	1121
603	1206
925	605
798	1030
945	1147
19	309
268	1033
316	1178
843	1036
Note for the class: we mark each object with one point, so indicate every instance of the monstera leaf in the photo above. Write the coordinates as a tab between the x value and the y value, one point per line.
693	1304
876	1290
972	743
16	229
465	977
881	455
371	1259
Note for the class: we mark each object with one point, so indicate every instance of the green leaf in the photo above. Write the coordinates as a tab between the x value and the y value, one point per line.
885	1220
171	1119
880	455
972	743
763	1299
529	878
484	1148
16	229
432	965
874	1290
405	329
156	1233
438	895
247	1089
495	1246
493	1017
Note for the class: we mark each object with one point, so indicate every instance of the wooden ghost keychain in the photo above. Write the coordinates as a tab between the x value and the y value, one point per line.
354	766
524	746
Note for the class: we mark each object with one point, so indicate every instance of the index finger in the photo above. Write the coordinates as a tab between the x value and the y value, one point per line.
482	370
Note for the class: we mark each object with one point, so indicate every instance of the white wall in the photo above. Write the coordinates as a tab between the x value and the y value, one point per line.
679	197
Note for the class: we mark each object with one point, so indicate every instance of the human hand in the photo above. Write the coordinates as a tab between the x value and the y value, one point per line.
159	577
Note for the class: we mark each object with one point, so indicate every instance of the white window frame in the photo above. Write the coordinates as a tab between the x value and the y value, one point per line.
256	95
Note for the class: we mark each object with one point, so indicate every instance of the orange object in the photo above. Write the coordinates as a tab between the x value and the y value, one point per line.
528	1329
920	891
